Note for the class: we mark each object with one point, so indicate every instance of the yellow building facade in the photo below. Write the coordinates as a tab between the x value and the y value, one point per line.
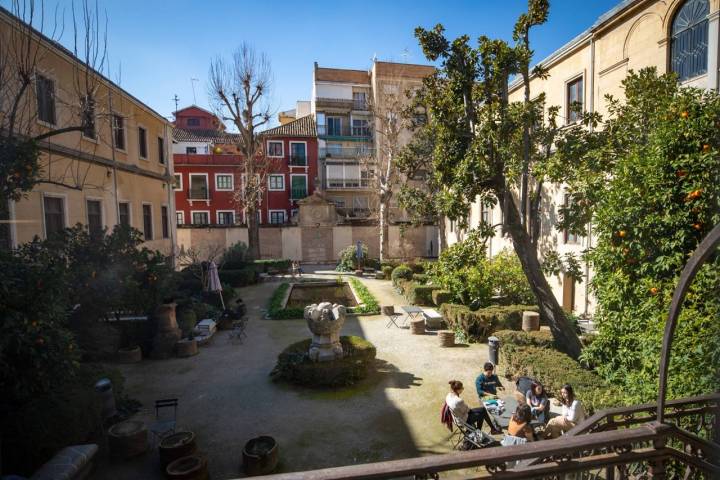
116	169
673	35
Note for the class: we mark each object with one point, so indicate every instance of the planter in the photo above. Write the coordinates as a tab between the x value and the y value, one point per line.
177	445
530	321
129	355
260	456
446	338
359	273
417	327
186	348
191	467
127	439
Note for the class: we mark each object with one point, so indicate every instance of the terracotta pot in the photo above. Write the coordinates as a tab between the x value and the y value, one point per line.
127	439
260	456
191	467
186	348
177	445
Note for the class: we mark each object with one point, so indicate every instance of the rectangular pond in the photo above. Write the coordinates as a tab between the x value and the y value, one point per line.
307	293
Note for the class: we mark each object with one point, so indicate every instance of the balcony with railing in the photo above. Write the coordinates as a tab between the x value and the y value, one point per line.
341	103
298	193
346	183
344	131
298	160
346	152
198	194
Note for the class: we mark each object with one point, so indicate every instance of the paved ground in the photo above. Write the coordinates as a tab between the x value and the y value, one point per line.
226	397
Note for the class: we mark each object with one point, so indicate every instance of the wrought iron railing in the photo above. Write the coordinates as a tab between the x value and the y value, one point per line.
297	193
347	152
343	131
298	160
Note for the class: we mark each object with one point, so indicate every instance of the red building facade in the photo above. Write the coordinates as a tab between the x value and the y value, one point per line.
208	170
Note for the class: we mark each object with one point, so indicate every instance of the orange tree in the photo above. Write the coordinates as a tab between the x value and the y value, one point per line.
649	180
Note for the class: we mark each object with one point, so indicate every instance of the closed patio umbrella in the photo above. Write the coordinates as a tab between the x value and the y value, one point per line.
214	284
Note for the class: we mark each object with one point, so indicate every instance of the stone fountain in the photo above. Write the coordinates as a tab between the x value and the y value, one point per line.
325	321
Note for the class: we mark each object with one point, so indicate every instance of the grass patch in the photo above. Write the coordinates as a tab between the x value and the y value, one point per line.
369	304
275	310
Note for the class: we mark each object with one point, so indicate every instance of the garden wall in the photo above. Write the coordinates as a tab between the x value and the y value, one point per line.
316	244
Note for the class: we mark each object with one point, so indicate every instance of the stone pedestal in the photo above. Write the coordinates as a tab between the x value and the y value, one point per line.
168	333
325	321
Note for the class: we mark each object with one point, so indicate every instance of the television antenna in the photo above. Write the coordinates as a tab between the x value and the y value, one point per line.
192	83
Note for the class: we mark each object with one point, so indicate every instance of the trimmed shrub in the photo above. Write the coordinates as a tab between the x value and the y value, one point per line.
241	277
294	365
348	262
417	267
440	297
387	271
554	369
389	263
279	264
540	338
401	272
370	305
373	263
421	278
420	294
477	325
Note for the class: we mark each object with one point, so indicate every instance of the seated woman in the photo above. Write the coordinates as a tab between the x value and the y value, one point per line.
520	425
572	414
537	400
458	407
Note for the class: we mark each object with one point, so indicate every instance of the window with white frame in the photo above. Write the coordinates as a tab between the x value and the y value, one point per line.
277	217
54	212
142	142
275	148
689	42
276	182
118	122
575	96
147	222
223	181
94	217
226	217
359	101
298	153
178	184
180	218
87	105
200	218
124	211
190	150
45	92
360	127
198	187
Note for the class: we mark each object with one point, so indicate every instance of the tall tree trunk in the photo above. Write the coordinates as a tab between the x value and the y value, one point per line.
253	250
442	241
383	227
550	310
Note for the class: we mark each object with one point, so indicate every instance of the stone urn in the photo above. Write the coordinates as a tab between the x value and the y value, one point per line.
168	333
325	321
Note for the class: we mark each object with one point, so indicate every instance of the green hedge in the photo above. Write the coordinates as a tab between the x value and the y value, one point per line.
240	277
554	369
540	338
440	297
294	365
275	310
402	272
418	294
282	265
387	271
477	325
370	305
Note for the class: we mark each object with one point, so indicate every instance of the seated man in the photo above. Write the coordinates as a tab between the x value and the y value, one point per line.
488	383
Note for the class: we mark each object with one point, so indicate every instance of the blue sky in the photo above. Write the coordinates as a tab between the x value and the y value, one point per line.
162	44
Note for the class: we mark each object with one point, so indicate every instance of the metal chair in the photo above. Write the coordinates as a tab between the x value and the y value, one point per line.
392	315
475	437
237	334
163	426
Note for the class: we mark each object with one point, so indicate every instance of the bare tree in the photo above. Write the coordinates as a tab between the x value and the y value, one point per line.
197	261
240	95
24	47
390	126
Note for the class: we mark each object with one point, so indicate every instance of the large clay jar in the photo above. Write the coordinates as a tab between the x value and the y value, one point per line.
167	334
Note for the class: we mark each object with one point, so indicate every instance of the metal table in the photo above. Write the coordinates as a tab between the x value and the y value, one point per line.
412	311
503	420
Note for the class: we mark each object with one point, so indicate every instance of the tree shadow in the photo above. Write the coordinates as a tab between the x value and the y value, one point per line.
391	377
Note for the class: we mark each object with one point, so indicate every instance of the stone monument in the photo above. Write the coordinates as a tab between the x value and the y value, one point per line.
168	333
325	321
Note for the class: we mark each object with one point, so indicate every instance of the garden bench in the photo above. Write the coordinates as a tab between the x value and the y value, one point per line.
70	463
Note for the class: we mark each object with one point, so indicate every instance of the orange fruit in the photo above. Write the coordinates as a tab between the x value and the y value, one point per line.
684	114
654	291
706	148
697	226
681	173
621	234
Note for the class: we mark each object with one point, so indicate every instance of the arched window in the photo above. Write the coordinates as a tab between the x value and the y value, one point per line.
689	49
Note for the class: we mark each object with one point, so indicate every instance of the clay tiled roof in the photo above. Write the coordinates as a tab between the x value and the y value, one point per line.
214	136
403	69
302	127
342	75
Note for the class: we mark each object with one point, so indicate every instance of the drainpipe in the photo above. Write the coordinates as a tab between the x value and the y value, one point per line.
114	160
589	226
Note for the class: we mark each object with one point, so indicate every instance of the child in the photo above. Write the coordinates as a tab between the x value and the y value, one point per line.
487	382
